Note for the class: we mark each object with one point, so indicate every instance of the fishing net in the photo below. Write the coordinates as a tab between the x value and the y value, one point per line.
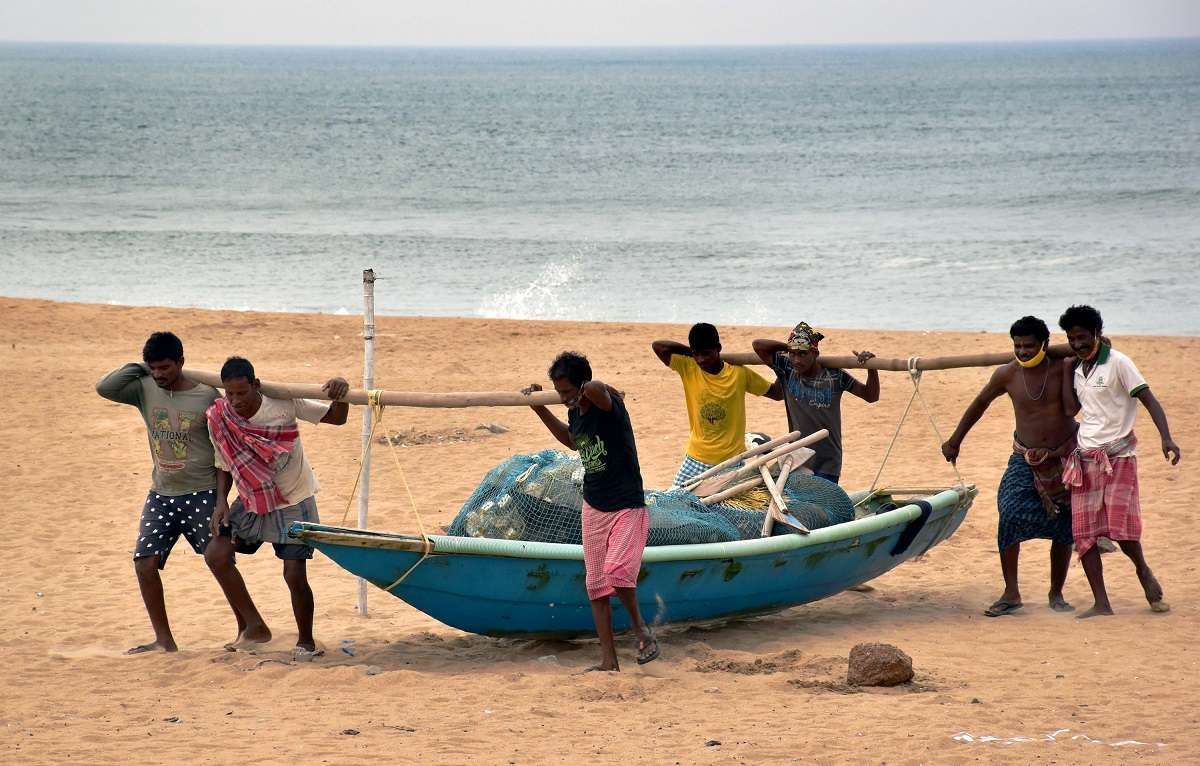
539	497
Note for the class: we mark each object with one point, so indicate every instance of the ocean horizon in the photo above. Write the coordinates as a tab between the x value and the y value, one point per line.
917	186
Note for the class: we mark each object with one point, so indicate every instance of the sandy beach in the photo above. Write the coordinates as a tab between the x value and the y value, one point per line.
400	687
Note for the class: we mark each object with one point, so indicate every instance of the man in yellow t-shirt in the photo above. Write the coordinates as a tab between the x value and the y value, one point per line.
715	393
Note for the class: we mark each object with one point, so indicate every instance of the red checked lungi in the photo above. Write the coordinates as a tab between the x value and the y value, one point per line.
613	542
1104	494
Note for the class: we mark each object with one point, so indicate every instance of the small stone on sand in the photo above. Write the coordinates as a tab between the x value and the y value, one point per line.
878	665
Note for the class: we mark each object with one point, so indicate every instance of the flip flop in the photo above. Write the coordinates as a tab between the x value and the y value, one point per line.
1002	607
648	652
300	654
1061	605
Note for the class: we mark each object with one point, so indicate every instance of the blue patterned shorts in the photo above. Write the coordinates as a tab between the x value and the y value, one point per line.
166	517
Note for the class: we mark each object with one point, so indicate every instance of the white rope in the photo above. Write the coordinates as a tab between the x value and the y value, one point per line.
915	375
374	400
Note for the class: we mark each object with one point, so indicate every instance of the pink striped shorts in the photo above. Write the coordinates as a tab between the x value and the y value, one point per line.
613	542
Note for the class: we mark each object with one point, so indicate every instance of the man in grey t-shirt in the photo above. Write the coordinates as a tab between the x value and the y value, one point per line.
183	483
813	394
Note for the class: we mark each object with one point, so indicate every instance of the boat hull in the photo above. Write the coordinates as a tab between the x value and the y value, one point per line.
509	588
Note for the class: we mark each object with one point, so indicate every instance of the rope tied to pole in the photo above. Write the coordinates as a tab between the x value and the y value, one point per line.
374	401
914	374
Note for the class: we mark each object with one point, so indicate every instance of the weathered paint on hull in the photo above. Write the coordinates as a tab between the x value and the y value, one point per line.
506	596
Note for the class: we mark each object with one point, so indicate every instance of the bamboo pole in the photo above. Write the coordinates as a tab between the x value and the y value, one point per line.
393	398
368	415
901	365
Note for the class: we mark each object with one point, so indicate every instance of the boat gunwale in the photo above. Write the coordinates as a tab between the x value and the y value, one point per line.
524	549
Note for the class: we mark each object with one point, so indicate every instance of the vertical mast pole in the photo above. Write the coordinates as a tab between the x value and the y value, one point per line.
368	415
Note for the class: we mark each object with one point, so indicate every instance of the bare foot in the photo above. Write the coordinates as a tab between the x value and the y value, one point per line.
1153	591
603	669
1095	611
1059	604
153	646
249	640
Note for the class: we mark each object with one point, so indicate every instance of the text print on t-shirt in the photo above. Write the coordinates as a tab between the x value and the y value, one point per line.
817	394
177	438
591	453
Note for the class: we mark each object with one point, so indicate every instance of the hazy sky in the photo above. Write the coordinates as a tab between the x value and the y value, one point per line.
590	22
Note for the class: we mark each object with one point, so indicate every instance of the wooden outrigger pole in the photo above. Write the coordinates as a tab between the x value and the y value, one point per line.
393	398
517	399
902	365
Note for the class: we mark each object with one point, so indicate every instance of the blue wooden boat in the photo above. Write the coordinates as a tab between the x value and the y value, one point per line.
529	589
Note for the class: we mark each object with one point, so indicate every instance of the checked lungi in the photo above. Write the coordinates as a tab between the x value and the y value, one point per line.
1104	494
613	542
1048	475
1023	515
689	469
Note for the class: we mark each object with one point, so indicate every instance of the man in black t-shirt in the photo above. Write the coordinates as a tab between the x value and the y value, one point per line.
615	521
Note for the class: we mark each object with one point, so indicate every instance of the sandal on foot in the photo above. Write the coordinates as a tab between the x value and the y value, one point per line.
300	654
1002	607
647	651
1061	605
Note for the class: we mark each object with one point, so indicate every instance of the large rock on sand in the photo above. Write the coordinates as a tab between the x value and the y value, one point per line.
878	665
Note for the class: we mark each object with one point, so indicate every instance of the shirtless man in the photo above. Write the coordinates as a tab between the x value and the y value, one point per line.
1032	500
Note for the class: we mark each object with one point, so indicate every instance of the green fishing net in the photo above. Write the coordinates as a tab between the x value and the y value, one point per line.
539	497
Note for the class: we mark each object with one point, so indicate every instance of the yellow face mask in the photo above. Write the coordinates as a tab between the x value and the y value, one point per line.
1034	362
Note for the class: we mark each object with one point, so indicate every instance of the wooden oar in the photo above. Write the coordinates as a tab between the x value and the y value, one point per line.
756	450
901	365
785	470
393	398
772	489
719	482
733	491
778	510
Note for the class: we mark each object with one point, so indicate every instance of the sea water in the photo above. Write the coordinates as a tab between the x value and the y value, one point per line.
926	187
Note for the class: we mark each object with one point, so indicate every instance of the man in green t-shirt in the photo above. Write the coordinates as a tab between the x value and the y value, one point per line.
183	483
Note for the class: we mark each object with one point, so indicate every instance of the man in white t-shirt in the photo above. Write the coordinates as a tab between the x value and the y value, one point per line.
1102	386
257	448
